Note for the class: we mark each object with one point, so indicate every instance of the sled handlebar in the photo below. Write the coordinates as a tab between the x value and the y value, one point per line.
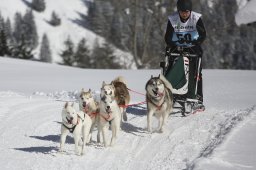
183	54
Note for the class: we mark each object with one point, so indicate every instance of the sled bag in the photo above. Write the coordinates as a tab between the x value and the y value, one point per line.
178	75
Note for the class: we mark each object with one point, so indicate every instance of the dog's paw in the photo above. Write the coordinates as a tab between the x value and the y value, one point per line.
161	130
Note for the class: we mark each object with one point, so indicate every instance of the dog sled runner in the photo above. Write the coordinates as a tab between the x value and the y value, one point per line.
184	82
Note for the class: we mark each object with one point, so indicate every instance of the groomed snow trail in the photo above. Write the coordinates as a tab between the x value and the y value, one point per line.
30	125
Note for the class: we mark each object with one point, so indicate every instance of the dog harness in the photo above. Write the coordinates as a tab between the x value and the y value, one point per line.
71	130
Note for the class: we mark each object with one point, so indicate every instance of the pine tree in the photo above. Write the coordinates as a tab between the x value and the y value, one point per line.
4	48
18	27
8	30
103	57
26	27
55	19
38	5
82	55
68	53
21	50
30	30
45	52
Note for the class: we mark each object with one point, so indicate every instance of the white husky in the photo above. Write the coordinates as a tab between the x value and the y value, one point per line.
109	113
117	89
159	100
77	123
88	105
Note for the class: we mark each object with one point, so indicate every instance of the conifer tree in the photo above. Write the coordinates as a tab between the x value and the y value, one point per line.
30	30
104	57
68	53
82	55
21	50
45	52
4	49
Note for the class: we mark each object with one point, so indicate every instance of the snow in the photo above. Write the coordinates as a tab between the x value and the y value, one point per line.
246	13
32	95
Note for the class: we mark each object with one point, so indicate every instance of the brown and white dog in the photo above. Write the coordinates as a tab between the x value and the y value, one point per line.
159	100
118	89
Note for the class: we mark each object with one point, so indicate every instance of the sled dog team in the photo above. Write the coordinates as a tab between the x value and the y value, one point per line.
111	111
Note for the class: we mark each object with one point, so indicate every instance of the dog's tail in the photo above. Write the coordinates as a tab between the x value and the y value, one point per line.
120	79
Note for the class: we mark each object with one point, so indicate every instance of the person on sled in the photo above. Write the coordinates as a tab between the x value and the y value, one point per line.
185	28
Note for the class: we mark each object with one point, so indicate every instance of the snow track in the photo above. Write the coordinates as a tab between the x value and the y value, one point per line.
30	132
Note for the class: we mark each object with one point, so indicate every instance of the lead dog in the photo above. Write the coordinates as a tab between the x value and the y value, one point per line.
159	100
118	89
109	114
74	122
88	105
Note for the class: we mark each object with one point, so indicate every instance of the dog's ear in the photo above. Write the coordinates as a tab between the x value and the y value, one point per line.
112	84
159	76
66	105
82	90
151	76
89	90
72	104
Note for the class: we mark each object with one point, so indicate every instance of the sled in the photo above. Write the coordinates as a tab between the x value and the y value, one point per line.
183	81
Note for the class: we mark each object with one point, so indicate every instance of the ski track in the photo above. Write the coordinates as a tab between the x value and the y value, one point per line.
36	120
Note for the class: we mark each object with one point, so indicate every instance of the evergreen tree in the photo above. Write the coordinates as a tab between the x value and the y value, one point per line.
18	27
30	29
38	5
21	50
104	57
82	55
45	52
55	19
68	53
26	27
4	49
8	30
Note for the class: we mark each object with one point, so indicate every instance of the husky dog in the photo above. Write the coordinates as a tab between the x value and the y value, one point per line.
122	95
88	105
109	114
74	122
118	89
159	100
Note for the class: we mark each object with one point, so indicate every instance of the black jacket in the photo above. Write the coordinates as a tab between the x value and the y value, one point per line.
201	31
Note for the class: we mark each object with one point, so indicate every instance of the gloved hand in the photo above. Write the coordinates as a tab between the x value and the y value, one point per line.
194	42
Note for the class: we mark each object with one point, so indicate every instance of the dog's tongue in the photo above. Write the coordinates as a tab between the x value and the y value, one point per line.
160	94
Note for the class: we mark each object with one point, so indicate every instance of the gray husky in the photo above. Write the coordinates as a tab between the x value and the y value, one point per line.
159	100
